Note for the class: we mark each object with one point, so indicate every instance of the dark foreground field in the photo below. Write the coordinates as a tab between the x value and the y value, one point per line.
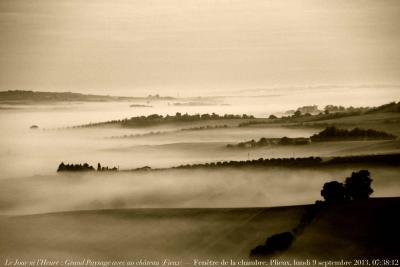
355	230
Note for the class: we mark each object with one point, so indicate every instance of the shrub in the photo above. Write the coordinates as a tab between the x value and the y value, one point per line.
358	185
333	192
274	243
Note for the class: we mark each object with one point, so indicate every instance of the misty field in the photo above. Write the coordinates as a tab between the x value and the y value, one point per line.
219	188
29	160
26	152
160	212
180	133
186	235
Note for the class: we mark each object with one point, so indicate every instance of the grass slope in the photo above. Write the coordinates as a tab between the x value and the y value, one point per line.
358	229
142	233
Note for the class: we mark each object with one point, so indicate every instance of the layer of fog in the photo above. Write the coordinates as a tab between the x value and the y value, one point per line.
178	189
36	152
26	152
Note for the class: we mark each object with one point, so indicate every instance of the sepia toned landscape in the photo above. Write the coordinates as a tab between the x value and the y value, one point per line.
199	133
192	186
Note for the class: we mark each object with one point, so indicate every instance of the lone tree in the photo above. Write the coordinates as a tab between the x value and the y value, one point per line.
61	167
272	117
358	185
333	192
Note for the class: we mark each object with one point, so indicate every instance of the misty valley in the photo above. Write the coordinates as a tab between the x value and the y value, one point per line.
147	177
204	133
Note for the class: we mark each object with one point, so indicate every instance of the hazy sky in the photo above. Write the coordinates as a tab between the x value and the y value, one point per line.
146	46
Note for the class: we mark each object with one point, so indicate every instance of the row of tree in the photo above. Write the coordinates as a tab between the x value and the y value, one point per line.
271	141
83	167
385	159
157	119
335	134
328	134
299	162
74	167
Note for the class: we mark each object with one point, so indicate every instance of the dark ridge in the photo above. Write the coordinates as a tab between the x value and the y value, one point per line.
328	134
20	95
385	159
335	134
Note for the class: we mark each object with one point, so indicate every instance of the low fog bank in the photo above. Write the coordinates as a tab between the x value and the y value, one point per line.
35	152
232	135
26	152
178	189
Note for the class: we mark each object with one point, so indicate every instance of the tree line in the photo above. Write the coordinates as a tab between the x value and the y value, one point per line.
384	159
83	167
271	141
328	134
157	119
335	134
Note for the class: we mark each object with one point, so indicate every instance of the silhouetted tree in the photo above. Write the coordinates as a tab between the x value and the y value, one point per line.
297	113
98	167
274	243
61	167
333	192
358	185
285	141
74	167
272	117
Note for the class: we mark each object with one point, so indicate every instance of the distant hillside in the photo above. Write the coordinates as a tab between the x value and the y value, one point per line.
339	112
390	107
20	96
387	113
343	111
